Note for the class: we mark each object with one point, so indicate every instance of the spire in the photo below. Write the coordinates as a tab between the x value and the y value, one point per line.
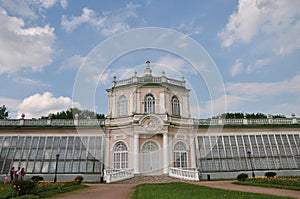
148	70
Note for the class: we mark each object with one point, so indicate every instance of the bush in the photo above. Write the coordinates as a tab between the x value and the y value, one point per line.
270	174
79	179
37	178
242	177
22	187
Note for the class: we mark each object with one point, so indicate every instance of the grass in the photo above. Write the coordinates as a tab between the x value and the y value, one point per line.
178	190
6	191
291	183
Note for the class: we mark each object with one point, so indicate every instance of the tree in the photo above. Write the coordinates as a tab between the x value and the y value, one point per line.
3	112
70	114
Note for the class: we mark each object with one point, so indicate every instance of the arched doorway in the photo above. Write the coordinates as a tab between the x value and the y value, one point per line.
150	159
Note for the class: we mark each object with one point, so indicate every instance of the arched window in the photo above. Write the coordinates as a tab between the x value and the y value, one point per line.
122	106
120	156
149	104
175	106
180	155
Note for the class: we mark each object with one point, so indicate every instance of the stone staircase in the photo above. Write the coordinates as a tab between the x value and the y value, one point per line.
140	179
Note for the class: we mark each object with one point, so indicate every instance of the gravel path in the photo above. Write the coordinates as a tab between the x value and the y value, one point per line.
123	191
102	191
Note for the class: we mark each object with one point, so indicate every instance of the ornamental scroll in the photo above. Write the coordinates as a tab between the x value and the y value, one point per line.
151	123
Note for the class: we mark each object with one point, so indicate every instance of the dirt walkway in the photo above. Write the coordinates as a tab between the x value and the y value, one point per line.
102	191
123	191
254	189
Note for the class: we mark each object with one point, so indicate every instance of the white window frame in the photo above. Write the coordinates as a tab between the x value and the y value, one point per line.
180	155
149	104
122	106
175	106
120	156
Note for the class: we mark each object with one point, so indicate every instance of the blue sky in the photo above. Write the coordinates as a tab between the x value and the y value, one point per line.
255	45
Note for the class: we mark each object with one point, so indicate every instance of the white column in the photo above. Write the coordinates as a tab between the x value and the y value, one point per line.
106	152
162	108
131	103
166	157
113	106
138	102
192	150
136	153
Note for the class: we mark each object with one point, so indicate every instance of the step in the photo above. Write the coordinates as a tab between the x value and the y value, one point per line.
140	179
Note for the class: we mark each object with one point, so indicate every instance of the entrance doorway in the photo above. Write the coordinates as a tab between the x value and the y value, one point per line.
150	159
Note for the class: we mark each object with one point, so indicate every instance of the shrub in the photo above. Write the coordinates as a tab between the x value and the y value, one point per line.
270	174
22	187
242	177
37	178
79	179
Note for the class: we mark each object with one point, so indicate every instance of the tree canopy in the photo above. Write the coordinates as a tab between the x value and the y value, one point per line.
70	114
248	116
3	112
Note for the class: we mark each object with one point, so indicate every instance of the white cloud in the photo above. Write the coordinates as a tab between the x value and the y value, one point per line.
108	23
190	28
49	3
38	105
29	81
259	63
277	21
30	8
31	47
10	104
255	90
173	66
73	62
18	7
218	106
236	68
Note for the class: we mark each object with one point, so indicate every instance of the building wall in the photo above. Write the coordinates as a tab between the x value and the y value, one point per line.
36	150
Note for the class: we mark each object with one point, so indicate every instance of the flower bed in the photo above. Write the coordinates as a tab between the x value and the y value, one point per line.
286	182
40	189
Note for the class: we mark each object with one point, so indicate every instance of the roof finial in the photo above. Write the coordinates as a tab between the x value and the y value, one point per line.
148	71
148	63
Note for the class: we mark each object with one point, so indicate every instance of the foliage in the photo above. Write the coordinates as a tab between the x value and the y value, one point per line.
5	190
3	112
79	179
37	178
42	189
248	116
70	113
242	177
270	174
178	190
292	183
22	187
48	186
279	116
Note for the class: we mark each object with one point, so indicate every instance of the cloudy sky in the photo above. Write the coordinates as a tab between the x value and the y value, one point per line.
255	46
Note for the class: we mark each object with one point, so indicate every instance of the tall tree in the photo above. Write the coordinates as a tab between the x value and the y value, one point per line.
70	113
3	112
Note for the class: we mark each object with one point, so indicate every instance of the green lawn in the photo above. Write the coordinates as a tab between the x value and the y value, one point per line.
288	182
179	190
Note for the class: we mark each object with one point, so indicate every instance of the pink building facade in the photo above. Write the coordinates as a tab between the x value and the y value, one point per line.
149	125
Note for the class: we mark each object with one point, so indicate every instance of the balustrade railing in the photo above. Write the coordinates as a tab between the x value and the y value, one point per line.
149	79
185	174
101	122
247	121
52	122
113	175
